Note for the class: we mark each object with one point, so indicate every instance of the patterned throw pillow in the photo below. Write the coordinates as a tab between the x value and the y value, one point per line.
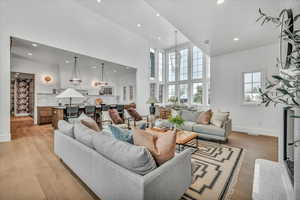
218	118
204	117
115	117
165	113
134	114
121	134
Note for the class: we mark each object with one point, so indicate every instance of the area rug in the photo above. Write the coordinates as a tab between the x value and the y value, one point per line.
215	166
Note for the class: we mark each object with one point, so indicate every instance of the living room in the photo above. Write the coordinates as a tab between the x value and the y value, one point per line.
186	66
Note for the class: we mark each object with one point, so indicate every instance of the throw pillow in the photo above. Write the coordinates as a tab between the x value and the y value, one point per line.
218	118
165	113
191	116
121	134
115	117
161	146
89	122
134	158
66	128
134	114
83	134
204	117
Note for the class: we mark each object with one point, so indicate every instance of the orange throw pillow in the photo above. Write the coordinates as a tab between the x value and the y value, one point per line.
162	146
91	125
204	117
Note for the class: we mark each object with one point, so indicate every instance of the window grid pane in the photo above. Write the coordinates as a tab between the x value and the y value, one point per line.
171	91
172	67
252	83
183	65
160	66
161	93
197	93
152	63
197	68
183	93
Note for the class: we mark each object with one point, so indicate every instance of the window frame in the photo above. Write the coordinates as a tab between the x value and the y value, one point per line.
254	103
181	63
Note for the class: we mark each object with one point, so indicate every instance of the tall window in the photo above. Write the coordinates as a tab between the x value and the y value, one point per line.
152	89
171	91
197	93
252	83
183	93
172	67
197	68
124	93
152	63
161	93
183	70
160	66
131	93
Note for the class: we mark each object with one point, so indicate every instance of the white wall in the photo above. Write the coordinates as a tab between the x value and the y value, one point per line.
227	88
67	25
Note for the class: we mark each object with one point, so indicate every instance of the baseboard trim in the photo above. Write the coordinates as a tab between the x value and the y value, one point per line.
5	138
256	131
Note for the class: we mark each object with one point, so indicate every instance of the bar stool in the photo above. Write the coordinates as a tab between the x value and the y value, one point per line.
90	111
71	112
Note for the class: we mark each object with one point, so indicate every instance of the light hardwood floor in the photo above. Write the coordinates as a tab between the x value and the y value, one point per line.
30	170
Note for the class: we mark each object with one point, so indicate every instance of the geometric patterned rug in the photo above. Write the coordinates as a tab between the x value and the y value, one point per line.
214	167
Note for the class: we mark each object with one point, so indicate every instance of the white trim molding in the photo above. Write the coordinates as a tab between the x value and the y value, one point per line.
5	138
255	131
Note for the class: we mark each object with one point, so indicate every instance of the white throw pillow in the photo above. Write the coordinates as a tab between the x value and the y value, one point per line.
218	118
66	128
84	134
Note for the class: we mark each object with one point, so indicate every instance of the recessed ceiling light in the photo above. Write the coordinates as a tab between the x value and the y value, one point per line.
67	61
158	38
220	2
98	1
236	39
139	25
34	45
30	54
157	14
115	71
94	67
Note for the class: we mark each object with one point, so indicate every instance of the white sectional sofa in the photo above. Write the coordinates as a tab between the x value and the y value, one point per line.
110	181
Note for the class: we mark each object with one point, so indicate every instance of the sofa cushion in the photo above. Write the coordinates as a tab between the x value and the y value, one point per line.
188	125
66	128
121	134
189	115
209	129
134	158
84	134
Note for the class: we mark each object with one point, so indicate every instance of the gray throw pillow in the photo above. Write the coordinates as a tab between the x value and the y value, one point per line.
134	158
66	128
84	134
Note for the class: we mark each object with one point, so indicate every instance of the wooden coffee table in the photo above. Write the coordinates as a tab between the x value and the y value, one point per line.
182	138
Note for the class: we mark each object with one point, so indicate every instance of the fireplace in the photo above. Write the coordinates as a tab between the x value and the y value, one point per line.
288	142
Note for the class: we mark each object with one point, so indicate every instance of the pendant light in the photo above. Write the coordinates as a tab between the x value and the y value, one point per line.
75	80
101	82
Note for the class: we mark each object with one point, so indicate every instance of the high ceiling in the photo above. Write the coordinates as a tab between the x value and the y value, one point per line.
53	56
128	13
202	20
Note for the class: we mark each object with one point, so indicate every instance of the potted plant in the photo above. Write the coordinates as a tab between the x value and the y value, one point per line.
176	121
284	88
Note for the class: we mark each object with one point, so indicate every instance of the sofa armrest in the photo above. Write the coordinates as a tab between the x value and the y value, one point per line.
170	180
228	127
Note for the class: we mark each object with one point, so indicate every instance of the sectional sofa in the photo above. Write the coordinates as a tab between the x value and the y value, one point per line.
105	175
